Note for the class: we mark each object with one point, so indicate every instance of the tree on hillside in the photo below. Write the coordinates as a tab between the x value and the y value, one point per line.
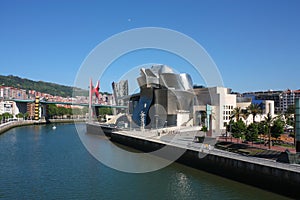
255	110
45	87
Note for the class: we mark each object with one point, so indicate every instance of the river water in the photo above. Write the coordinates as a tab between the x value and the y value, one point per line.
37	162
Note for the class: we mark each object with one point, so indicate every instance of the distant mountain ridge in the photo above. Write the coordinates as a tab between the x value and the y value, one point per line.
40	86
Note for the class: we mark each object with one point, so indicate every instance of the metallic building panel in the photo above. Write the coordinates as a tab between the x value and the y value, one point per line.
186	81
171	81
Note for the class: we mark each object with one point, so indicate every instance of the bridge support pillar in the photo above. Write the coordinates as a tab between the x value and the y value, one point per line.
297	125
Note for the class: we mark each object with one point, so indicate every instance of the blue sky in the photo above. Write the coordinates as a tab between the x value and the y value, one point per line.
255	44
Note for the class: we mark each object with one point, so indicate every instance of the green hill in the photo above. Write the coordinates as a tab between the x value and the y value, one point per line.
44	87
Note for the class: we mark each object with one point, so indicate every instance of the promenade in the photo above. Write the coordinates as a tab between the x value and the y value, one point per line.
8	125
11	124
185	139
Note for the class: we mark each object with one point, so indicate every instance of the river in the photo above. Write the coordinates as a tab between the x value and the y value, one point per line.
37	162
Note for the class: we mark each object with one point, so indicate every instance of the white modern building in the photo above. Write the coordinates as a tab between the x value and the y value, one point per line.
267	107
222	103
8	107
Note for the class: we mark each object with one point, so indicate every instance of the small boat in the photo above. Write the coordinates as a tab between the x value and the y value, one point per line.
53	127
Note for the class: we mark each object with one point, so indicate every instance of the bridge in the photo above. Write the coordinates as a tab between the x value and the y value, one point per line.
41	106
65	103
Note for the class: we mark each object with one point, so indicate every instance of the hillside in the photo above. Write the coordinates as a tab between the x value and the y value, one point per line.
44	87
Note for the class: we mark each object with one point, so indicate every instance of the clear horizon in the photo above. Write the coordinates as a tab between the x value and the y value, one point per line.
255	44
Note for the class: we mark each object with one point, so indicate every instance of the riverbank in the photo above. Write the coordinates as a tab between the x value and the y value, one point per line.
38	162
262	173
12	124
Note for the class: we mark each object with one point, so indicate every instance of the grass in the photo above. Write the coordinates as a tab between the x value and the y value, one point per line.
285	145
242	149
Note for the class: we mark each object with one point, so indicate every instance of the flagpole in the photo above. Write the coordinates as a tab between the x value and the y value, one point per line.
90	101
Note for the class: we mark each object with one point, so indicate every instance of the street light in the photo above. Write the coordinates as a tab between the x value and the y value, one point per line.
156	121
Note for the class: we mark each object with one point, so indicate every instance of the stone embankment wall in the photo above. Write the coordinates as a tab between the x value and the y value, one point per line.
6	126
272	178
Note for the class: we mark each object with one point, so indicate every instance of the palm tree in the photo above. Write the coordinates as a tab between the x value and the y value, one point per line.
245	114
236	113
254	109
269	120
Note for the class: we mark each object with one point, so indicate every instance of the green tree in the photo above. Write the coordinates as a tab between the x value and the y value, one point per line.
204	129
236	113
45	87
291	110
278	128
78	111
255	110
52	110
238	129
269	121
69	112
252	132
262	127
26	115
19	115
7	115
61	111
245	114
85	110
289	115
105	111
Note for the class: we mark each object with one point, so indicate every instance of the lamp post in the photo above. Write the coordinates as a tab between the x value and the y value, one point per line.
230	129
156	121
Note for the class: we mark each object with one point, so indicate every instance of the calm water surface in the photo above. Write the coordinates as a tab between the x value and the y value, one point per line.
37	162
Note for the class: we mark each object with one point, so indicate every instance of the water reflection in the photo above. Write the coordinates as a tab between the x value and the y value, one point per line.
59	167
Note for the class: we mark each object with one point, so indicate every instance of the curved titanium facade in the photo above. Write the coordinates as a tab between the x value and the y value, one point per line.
160	85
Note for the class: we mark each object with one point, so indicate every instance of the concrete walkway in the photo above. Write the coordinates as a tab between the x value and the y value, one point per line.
185	140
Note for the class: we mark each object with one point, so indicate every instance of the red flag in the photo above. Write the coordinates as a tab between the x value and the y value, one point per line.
96	90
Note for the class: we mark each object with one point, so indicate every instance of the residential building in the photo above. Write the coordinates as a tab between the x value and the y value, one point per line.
8	107
7	92
287	98
259	97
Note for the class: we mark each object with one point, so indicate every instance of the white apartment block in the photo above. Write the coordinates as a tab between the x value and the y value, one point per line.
8	107
287	98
